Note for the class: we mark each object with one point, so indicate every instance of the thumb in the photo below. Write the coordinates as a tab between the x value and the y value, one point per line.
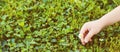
81	34
89	36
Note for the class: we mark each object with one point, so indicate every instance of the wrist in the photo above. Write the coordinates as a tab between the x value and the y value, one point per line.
102	23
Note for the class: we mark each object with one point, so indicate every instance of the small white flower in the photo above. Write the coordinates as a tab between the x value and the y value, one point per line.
101	40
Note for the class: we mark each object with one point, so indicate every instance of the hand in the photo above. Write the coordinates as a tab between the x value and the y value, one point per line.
89	29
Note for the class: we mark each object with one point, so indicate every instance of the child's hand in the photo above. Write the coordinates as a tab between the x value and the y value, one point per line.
89	29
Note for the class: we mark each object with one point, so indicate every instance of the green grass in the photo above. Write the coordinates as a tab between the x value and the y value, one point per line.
53	26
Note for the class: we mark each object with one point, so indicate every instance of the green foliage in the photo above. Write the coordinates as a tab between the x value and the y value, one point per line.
53	26
117	2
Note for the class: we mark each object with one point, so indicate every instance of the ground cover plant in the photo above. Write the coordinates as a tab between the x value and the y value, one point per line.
53	26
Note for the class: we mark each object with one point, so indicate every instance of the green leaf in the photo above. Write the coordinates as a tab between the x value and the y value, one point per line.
117	2
21	24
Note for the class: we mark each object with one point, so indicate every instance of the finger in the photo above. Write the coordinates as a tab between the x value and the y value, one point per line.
90	40
81	38
82	32
89	36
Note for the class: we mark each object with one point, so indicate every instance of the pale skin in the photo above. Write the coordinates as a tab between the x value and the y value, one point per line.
91	28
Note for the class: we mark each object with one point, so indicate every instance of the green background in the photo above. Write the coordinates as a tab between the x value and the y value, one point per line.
53	26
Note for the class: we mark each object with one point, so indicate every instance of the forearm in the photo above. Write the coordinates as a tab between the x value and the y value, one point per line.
111	18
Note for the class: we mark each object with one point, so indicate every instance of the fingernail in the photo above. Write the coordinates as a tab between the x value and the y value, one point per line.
86	41
83	43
